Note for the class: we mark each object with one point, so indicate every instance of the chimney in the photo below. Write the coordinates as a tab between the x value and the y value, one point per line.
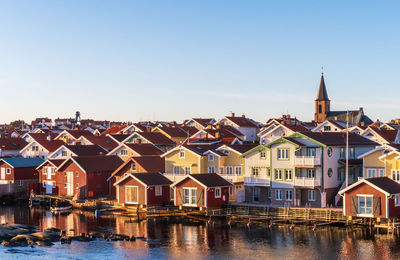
233	114
48	137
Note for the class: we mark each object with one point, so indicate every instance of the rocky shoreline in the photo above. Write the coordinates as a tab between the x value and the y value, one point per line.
14	235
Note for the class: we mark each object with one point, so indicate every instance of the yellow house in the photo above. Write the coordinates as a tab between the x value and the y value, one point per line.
382	161
191	159
175	133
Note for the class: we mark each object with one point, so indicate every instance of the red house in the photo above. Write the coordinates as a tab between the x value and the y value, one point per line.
207	190
146	189
86	176
17	173
48	177
372	198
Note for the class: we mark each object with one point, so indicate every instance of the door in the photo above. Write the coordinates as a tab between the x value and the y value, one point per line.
256	194
48	172
132	194
3	173
70	183
189	197
49	187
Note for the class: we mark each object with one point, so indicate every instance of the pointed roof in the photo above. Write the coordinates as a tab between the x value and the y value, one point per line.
322	93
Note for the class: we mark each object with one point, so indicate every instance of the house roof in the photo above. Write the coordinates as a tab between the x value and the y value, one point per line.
355	117
105	142
148	179
384	184
241	148
174	131
8	144
151	163
98	163
387	134
119	137
37	136
23	162
145	149
114	129
78	133
296	128
55	162
241	121
338	139
322	93
156	138
50	146
211	180
86	150
204	122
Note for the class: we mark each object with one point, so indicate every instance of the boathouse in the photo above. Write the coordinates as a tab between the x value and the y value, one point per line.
86	176
377	197
48	178
206	190
17	173
146	189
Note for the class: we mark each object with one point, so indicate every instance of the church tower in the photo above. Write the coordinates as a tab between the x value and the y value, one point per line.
322	103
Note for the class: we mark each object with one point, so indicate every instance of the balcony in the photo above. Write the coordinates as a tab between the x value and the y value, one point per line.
307	161
260	181
307	182
232	178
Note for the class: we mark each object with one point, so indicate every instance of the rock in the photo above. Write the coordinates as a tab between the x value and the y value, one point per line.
44	243
23	239
65	240
52	229
49	236
132	238
95	234
5	243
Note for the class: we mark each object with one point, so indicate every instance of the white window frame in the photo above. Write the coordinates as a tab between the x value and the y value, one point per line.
311	172
129	202
283	153
382	172
64	153
123	152
210	157
211	169
176	170
181	154
289	195
229	170
8	170
371	172
133	166
278	173
217	193
190	197
188	170
397	200
238	171
312	195
158	190
278	195
358	205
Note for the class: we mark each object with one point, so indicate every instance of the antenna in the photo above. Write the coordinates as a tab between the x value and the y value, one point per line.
322	70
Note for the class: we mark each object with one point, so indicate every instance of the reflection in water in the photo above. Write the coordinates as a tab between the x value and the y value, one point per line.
176	238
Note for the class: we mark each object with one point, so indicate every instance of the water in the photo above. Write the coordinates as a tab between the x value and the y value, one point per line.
174	238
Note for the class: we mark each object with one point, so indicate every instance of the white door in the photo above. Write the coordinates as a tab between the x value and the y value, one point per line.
49	173
3	173
70	183
49	187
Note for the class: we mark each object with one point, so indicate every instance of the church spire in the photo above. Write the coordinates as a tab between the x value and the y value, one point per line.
322	93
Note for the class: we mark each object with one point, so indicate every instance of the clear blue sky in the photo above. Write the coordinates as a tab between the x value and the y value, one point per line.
172	60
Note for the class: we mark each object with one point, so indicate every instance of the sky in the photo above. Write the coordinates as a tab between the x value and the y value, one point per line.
173	60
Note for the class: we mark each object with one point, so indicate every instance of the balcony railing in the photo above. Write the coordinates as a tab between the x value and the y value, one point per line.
263	181
307	182
306	161
174	177
232	178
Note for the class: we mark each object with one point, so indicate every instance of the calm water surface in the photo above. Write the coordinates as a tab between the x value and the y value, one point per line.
172	238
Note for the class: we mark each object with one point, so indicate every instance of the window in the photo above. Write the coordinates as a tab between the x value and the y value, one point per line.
77	174
210	157
283	154
8	170
64	153
53	170
181	154
221	170
262	155
238	170
352	153
330	172
371	173
269	172
187	170
278	174
278	194
311	152
310	173
269	194
189	196
396	175
311	195
230	191
288	174
158	190
211	169
177	170
77	185
382	172
397	200
124	152
217	192
327	128
319	108
342	153
289	195
65	185
255	172
364	204
229	170
133	166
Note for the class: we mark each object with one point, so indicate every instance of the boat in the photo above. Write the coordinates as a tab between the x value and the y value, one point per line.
60	208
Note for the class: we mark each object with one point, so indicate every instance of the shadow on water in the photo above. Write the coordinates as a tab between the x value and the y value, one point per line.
177	238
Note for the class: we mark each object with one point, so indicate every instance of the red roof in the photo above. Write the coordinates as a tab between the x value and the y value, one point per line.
145	149
38	136
9	144
99	163
78	133
241	121
157	138
114	130
387	134
103	141
52	145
